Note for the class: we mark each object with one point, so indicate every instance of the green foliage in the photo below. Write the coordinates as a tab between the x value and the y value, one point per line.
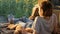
18	8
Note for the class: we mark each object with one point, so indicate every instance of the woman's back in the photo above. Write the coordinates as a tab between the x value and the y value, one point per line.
44	26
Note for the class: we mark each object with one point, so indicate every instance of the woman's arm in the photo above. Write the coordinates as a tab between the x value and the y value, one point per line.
34	12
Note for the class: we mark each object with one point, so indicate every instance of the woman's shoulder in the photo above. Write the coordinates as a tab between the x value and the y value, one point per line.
54	15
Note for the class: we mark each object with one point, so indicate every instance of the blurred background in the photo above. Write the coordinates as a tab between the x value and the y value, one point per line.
20	8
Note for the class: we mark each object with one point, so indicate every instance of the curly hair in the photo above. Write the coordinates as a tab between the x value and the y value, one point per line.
46	6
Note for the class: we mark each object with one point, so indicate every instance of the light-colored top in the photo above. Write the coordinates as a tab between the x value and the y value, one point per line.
42	26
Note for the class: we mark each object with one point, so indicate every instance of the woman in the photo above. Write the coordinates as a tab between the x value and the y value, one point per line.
46	22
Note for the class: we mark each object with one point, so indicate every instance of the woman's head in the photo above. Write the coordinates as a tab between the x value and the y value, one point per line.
46	9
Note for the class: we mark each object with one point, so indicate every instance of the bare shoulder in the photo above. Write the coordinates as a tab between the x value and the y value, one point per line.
54	16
